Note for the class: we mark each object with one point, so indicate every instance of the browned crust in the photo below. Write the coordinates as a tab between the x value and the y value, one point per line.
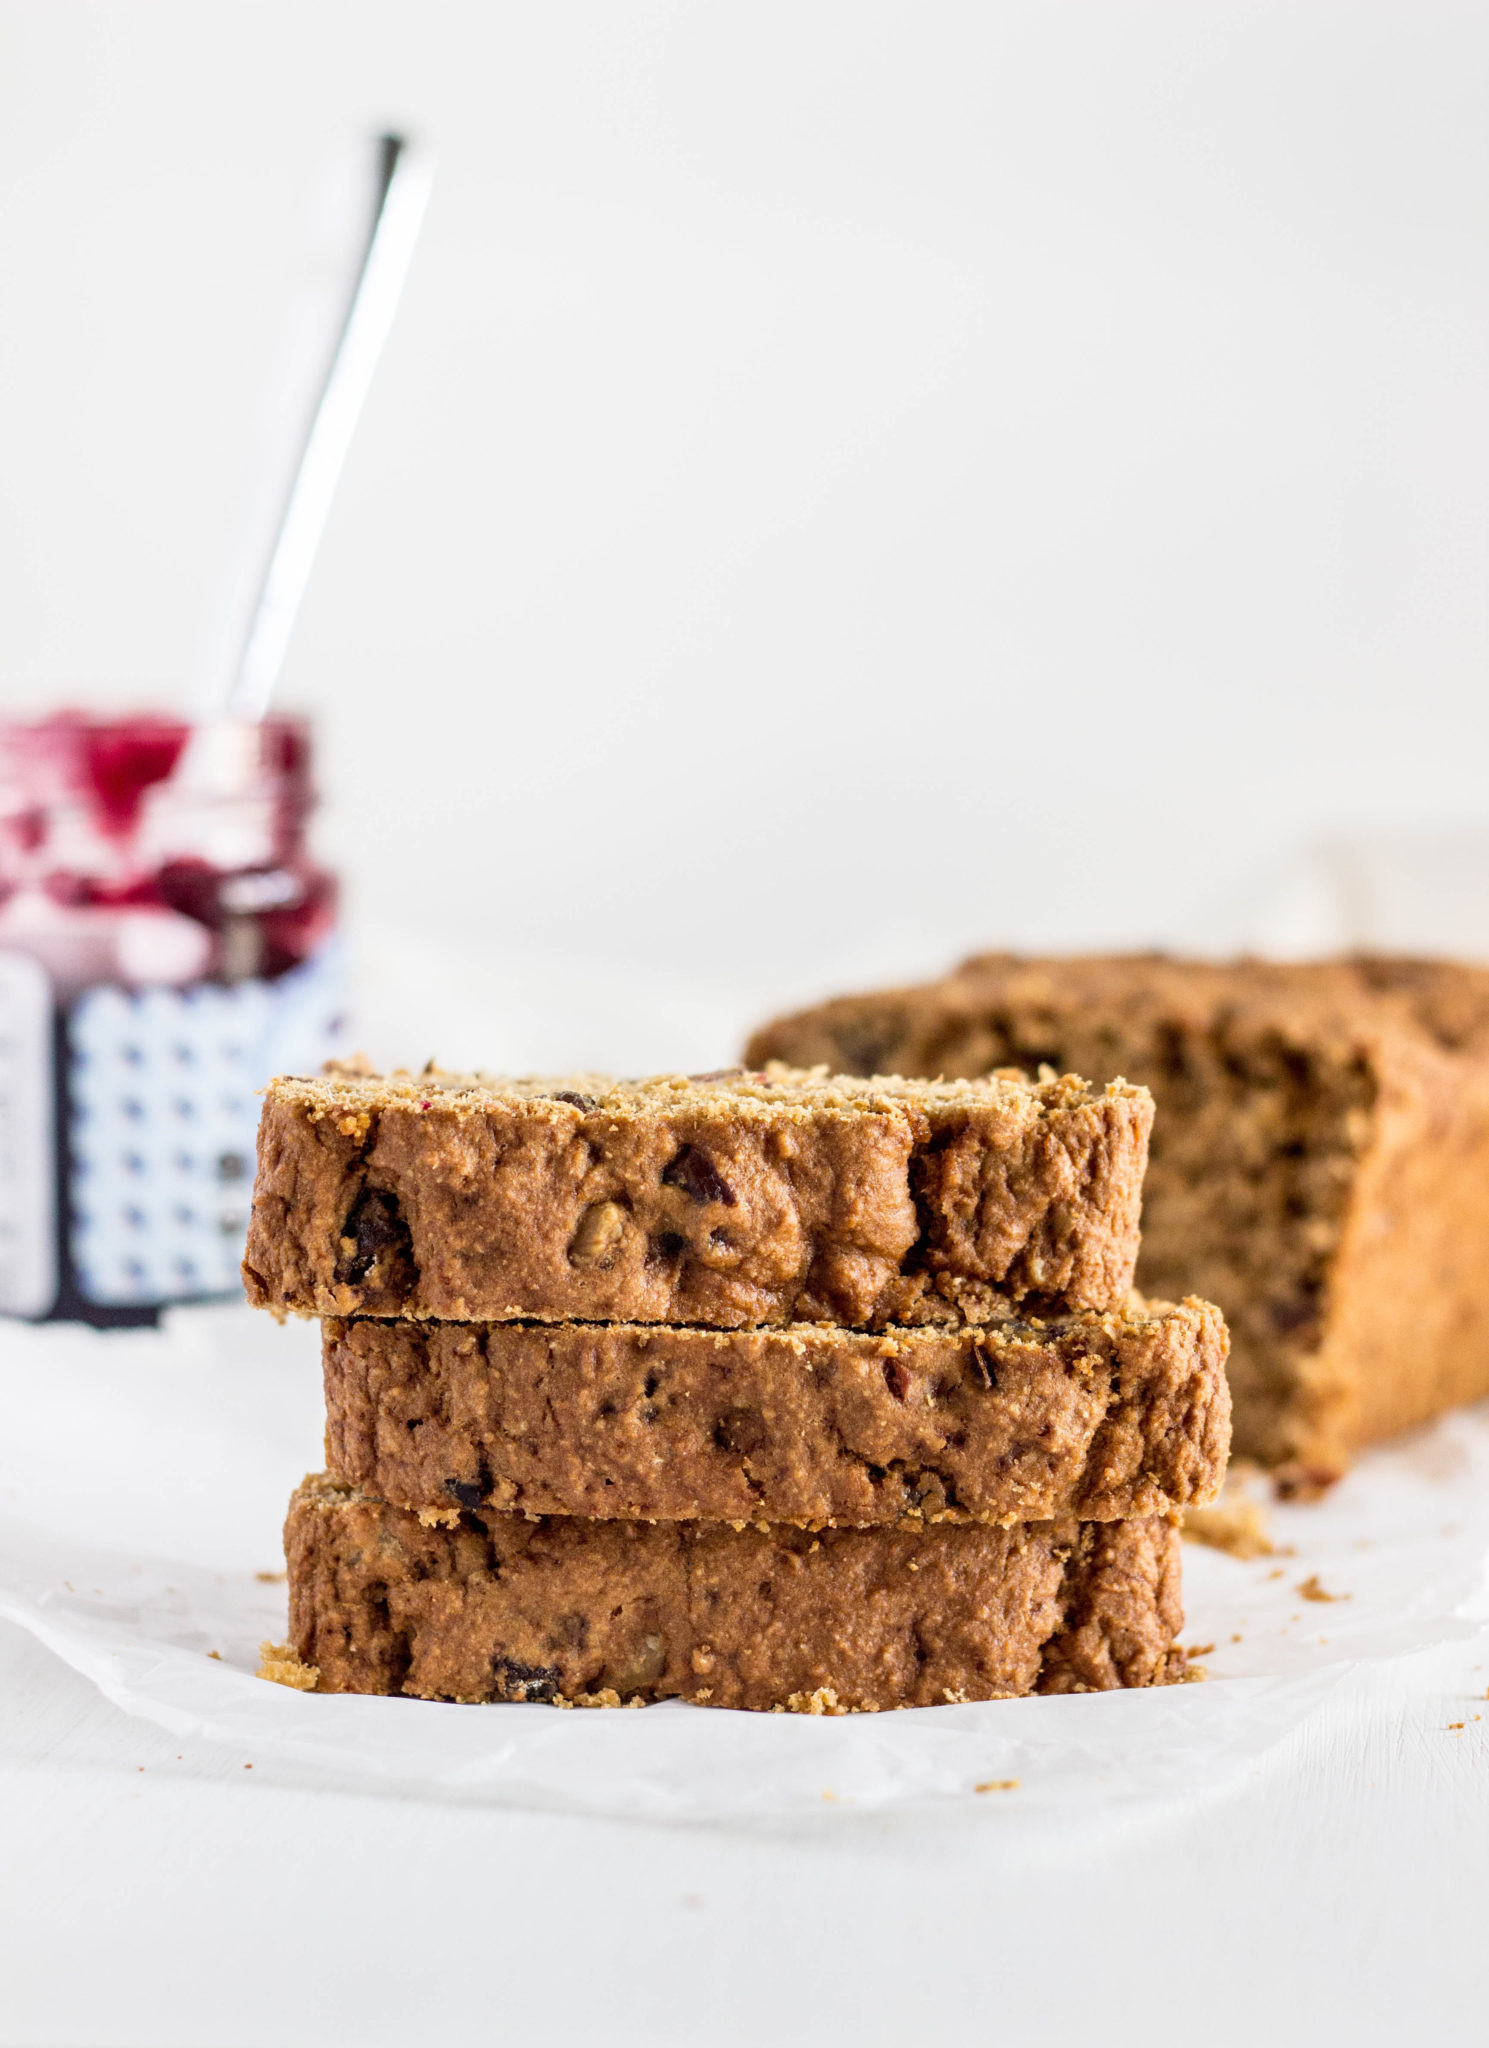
502	1607
1320	1161
772	1199
1101	1417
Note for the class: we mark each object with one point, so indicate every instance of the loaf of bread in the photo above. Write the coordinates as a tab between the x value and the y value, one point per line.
721	1200
500	1607
1320	1160
1096	1416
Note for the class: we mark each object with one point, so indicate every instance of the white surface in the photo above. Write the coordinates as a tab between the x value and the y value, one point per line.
155	1893
1288	1856
849	481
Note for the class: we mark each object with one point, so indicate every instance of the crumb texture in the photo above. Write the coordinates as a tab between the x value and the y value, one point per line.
1097	1416
728	1201
1319	1164
507	1608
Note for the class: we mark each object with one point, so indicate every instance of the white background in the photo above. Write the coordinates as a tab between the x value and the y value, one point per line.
848	483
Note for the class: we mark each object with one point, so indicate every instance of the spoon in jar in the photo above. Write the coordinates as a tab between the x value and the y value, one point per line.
343	321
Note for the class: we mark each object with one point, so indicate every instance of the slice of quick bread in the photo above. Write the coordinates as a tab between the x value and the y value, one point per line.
1098	1416
503	1607
721	1200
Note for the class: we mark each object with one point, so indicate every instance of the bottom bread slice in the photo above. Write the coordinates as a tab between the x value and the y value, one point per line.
503	1607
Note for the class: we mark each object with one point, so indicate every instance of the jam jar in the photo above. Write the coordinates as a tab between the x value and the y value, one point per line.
167	942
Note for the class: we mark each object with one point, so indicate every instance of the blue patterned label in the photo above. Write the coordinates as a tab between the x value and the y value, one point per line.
163	1111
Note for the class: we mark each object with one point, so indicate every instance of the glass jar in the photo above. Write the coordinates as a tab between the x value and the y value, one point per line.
167	941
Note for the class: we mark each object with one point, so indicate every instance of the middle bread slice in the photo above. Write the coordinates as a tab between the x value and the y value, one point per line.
1102	1416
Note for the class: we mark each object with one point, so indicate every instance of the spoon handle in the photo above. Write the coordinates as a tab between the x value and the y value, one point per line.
311	452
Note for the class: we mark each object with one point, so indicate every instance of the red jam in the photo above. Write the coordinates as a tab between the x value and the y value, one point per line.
135	850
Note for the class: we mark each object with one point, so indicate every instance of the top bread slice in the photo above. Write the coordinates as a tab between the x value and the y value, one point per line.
724	1200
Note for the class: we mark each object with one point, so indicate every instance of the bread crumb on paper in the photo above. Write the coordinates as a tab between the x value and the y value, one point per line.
1238	1527
1310	1589
823	1701
279	1664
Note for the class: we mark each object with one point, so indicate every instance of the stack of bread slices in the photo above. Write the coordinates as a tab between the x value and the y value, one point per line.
762	1390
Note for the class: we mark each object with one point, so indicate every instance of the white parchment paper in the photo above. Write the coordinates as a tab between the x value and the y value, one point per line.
143	1479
